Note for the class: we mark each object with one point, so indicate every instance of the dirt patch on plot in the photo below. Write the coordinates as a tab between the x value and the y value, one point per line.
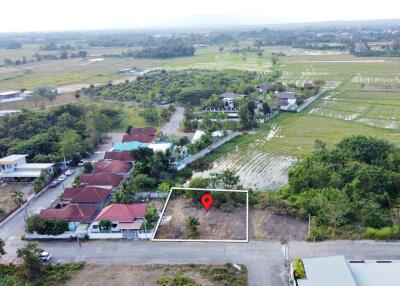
147	275
266	224
7	204
226	222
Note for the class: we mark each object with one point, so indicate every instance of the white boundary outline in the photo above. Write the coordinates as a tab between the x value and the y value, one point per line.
204	240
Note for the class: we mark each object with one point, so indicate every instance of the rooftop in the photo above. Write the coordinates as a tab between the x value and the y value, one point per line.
230	95
143	135
286	95
101	179
11	92
12	158
119	155
336	270
122	212
86	195
114	166
129	146
70	213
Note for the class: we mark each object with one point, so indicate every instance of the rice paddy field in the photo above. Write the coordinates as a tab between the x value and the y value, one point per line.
363	98
262	158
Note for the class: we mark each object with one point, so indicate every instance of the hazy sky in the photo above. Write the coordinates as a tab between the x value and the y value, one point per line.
48	15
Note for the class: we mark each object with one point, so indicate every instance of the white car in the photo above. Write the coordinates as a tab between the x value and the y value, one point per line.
81	162
61	178
45	256
69	172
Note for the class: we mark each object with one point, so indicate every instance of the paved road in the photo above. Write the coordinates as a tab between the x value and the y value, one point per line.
173	125
264	259
12	229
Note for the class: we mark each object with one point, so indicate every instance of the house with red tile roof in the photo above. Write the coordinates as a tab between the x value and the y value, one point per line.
125	218
114	166
101	179
125	156
87	195
143	135
74	214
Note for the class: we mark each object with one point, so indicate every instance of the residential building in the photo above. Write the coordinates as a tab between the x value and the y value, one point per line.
287	100
114	166
74	214
16	167
336	270
125	218
143	135
102	180
14	95
88	195
125	156
229	98
265	87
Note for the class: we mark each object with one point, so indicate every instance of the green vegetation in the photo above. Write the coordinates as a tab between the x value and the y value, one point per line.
354	183
151	217
33	272
192	225
49	227
48	135
187	86
158	52
298	268
105	225
178	280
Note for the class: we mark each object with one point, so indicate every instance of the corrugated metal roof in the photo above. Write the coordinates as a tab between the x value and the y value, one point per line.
327	271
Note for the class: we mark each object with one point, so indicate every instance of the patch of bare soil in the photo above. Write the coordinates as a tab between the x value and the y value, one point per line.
266	224
226	222
143	275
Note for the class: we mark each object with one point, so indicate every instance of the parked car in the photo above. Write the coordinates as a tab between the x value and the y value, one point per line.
81	162
69	172
54	184
45	256
61	178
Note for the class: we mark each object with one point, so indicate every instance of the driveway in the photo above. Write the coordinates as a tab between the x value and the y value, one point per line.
172	126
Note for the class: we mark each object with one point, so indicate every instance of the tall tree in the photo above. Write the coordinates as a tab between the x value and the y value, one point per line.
32	264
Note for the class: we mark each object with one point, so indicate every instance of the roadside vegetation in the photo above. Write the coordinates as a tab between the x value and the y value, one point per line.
33	271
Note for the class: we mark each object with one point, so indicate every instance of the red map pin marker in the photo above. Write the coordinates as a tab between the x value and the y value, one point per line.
207	201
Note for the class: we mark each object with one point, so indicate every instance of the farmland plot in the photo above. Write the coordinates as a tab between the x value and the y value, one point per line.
258	166
262	162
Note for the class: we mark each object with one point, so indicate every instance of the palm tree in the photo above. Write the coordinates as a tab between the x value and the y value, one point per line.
18	198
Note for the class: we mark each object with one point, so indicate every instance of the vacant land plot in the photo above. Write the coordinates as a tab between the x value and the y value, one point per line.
6	196
159	275
225	222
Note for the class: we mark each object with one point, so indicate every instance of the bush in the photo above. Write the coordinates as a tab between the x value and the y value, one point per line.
386	233
298	269
48	227
178	280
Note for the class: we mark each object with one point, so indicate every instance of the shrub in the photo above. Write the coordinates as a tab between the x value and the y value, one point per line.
385	233
298	269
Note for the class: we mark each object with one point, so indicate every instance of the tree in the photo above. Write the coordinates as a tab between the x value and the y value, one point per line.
151	216
246	114
128	129
70	143
260	54
2	250
32	264
18	198
221	49
192	225
87	167
105	225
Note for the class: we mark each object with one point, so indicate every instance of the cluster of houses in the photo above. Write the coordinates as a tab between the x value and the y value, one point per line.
86	206
286	100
